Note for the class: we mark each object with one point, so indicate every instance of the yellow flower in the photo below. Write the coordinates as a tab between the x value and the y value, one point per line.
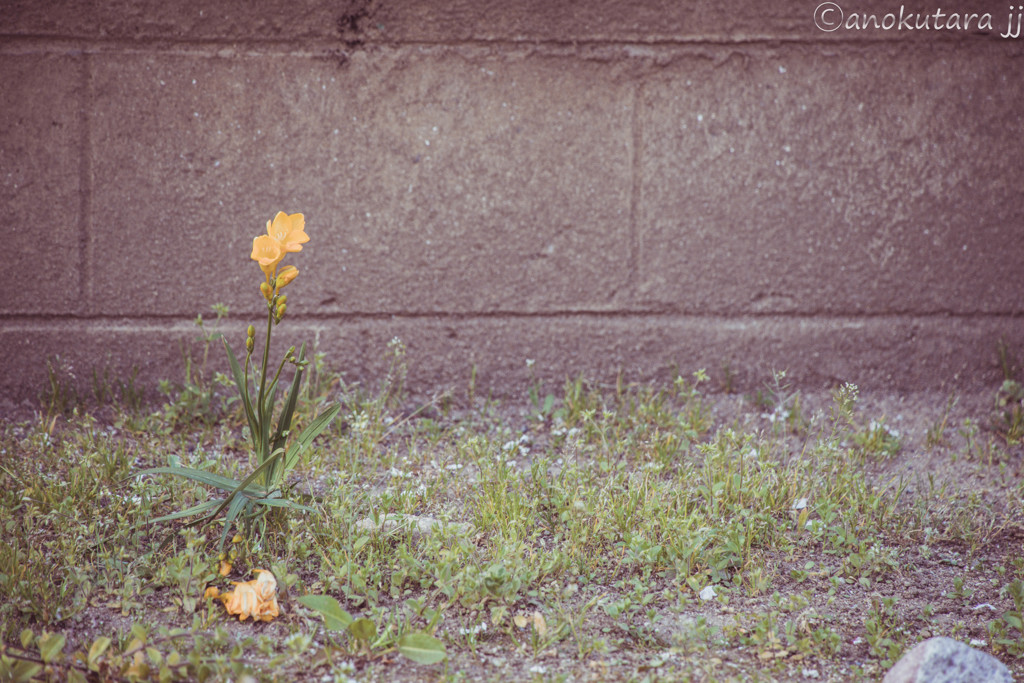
268	252
289	231
256	598
287	274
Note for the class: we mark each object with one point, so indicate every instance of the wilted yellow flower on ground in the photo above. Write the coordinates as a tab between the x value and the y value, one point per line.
289	231
268	252
256	598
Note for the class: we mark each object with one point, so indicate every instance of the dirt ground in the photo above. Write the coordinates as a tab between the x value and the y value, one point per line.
952	585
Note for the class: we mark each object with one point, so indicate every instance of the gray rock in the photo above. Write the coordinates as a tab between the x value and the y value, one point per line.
944	660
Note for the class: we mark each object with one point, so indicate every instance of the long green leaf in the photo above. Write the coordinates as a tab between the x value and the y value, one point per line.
242	488
268	401
202	476
237	503
242	382
284	423
308	434
284	503
264	451
188	512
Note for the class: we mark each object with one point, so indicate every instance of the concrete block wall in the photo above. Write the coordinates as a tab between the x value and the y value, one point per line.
600	187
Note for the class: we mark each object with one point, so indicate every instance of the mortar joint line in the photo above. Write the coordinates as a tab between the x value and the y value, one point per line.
85	298
317	46
633	262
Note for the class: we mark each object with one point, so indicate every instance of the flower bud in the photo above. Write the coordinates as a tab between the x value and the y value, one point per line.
280	310
267	290
251	332
286	275
249	344
282	298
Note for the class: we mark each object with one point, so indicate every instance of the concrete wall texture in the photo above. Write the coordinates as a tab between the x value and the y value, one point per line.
598	186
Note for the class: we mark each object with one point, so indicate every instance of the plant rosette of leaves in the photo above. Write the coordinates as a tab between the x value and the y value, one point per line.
248	500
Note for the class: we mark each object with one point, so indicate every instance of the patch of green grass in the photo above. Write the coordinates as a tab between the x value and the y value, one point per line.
575	535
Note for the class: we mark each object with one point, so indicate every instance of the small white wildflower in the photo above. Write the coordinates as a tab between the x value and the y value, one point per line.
474	630
538	669
359	421
530	362
977	642
299	642
508	445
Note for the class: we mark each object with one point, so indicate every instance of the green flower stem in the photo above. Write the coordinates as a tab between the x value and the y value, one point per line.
280	367
260	417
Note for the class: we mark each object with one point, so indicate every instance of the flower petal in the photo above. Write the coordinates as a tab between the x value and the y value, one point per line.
256	598
289	231
268	253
